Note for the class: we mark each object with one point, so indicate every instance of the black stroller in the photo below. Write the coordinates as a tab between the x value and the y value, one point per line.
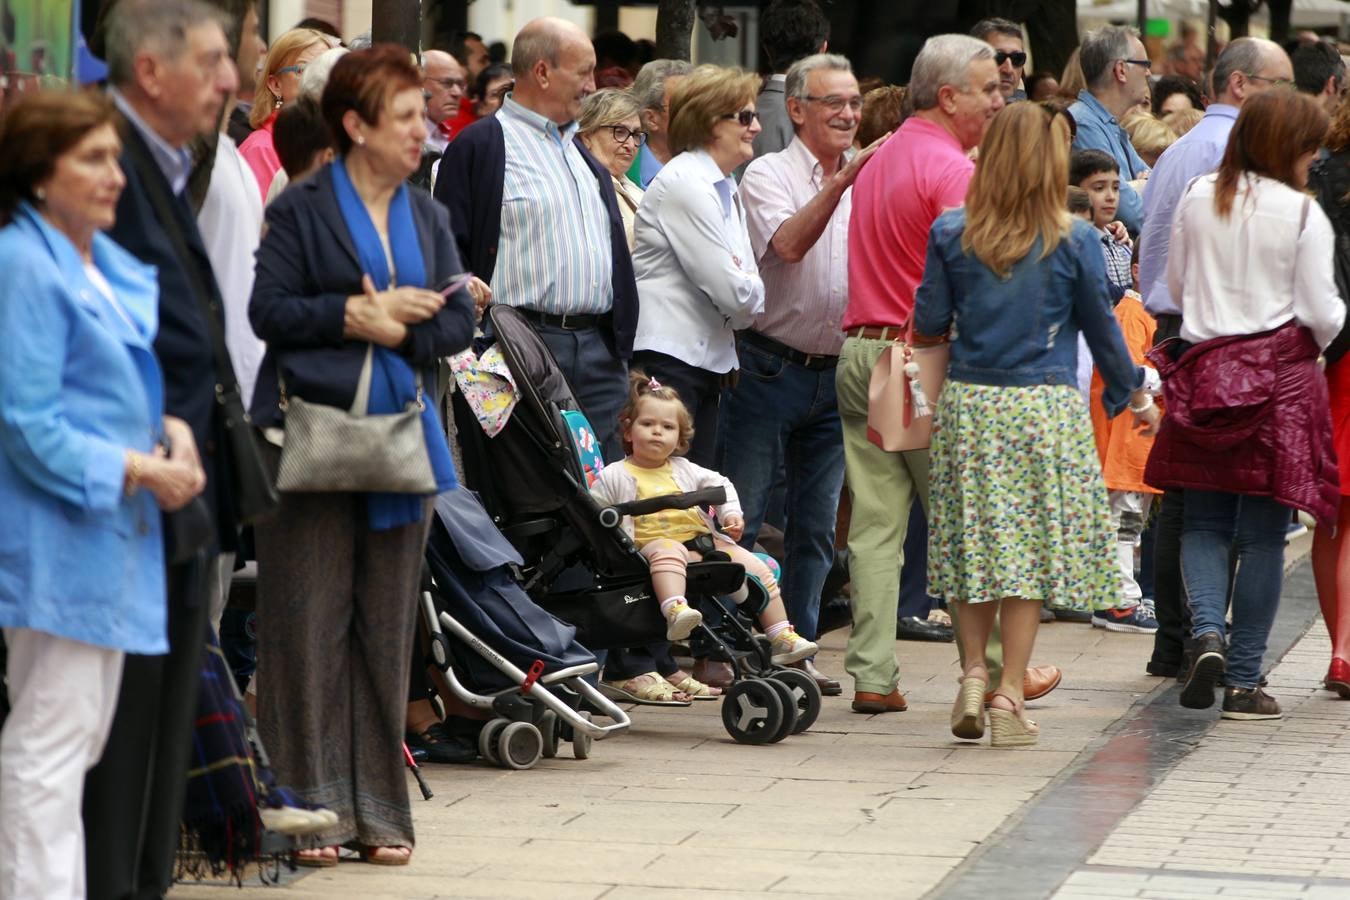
495	650
581	566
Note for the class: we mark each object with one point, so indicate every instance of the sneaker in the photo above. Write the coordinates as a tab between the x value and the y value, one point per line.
790	647
1207	667
681	620
441	746
1246	704
1130	619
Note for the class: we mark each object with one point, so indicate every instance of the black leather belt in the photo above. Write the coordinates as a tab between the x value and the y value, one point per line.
807	360
568	321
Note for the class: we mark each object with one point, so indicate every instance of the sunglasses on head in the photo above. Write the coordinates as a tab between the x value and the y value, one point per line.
1018	57
744	117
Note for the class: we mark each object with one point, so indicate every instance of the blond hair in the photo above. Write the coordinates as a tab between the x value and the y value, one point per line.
1183	120
640	387
284	51
702	98
1149	135
1018	194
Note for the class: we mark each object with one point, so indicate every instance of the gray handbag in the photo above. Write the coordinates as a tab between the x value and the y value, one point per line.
331	449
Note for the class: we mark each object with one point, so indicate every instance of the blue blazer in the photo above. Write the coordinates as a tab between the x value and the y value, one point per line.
79	385
469	183
307	268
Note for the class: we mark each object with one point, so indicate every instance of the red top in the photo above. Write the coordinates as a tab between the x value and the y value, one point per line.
917	174
460	120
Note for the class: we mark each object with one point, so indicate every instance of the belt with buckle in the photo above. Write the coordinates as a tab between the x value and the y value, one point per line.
878	332
567	321
807	360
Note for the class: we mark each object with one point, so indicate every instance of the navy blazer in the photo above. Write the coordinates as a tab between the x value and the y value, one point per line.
183	344
307	268
472	172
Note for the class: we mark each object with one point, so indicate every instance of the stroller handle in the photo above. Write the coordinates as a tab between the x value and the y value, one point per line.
611	516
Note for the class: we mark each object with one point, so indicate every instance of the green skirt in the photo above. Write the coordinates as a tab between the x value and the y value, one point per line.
1018	505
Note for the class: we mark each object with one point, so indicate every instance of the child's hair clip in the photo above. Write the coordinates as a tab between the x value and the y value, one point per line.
653	384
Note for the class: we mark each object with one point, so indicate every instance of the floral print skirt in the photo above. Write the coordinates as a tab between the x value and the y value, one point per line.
1018	505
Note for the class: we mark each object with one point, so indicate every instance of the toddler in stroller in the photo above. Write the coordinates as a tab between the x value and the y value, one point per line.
656	427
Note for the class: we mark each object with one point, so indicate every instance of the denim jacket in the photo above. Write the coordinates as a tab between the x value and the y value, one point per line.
1022	329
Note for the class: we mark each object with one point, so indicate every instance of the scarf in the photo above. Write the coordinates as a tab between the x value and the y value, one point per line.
393	384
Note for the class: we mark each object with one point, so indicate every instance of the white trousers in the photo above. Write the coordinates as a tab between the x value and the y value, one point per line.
63	694
1129	510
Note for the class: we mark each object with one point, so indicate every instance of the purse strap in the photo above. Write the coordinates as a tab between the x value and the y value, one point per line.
226	381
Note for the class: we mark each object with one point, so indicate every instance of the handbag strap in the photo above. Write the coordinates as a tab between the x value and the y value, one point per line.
226	381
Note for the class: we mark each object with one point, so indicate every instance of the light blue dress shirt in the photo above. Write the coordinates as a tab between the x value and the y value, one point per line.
1099	130
174	162
1197	153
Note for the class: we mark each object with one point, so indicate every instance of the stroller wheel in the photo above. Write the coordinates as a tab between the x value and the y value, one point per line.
548	727
751	711
581	741
519	746
487	740
806	696
789	703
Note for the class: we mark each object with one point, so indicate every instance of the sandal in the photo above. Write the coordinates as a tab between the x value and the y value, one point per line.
386	856
968	710
1010	727
695	688
317	857
648	689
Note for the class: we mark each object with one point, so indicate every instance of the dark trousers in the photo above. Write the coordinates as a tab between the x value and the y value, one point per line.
914	599
598	379
133	798
1169	593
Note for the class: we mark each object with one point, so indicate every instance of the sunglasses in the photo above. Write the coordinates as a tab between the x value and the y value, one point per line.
744	117
1018	57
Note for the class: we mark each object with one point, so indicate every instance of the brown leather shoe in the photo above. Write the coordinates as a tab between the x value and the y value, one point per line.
868	702
828	686
713	673
1039	681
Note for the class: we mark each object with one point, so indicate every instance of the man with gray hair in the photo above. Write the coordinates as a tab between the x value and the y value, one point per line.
1115	67
535	216
444	84
1246	67
782	414
921	171
655	82
171	73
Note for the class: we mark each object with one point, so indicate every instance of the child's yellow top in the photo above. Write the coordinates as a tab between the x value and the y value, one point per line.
677	524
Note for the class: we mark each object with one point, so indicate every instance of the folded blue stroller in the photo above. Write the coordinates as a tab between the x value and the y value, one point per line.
494	649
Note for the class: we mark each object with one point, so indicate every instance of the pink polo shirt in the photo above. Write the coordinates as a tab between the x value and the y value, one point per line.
917	174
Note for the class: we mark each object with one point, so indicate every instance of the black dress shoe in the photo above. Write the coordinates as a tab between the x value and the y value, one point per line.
440	746
1163	669
828	686
912	628
834	614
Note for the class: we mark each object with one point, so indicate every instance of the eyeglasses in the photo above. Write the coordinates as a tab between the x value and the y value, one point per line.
297	69
623	132
1018	57
1144	63
744	117
450	83
1274	82
836	104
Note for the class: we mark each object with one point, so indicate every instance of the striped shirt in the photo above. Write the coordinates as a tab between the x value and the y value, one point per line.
554	252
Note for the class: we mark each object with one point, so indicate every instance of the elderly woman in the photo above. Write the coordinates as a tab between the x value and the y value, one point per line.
693	260
611	130
84	472
279	85
343	282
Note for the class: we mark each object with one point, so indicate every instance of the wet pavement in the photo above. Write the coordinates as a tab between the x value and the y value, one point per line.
1127	795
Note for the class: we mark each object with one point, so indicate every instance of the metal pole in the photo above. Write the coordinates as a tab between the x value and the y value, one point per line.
1143	16
398	22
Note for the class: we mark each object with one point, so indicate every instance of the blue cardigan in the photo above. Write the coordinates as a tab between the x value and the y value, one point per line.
307	267
79	385
469	183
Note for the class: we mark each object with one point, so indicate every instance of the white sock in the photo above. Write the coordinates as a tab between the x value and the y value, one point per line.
669	602
777	628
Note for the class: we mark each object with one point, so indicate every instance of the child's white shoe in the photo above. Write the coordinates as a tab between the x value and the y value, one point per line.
790	647
681	620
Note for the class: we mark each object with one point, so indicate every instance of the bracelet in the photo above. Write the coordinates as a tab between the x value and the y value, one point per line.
1140	410
133	472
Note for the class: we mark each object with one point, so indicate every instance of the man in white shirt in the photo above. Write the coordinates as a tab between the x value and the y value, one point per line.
783	412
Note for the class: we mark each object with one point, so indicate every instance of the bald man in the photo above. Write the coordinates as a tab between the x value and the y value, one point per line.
443	83
535	216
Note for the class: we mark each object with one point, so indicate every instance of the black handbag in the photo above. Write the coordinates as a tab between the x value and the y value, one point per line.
251	490
187	531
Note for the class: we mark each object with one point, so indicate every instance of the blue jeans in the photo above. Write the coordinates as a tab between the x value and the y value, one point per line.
782	416
1215	525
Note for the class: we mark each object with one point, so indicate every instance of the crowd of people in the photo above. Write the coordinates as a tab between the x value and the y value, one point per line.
980	344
